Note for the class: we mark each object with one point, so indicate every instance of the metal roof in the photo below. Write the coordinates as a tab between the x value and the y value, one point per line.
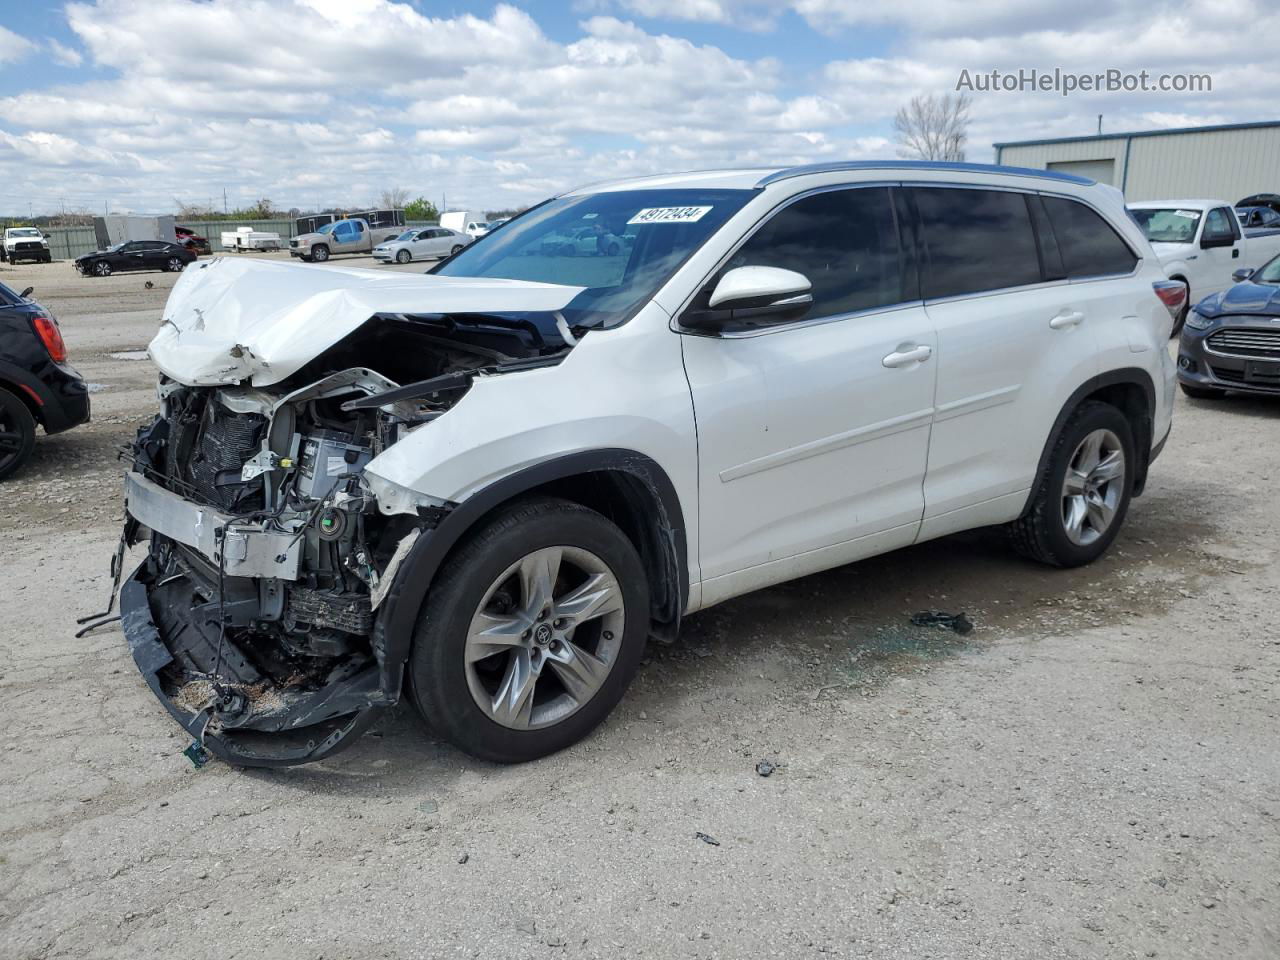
1140	133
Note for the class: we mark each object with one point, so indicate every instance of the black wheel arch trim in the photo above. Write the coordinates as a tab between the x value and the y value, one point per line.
398	614
1125	376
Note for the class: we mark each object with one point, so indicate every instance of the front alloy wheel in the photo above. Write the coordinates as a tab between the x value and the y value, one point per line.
544	638
102	268
530	632
403	256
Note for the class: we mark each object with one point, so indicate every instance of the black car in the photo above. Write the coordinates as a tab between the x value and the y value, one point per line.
1258	218
36	385
1231	340
135	255
1270	200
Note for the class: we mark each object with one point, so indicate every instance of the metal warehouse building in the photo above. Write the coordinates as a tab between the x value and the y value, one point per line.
1225	162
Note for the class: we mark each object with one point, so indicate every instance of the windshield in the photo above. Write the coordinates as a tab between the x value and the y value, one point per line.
1172	225
408	235
621	246
1269	272
25	232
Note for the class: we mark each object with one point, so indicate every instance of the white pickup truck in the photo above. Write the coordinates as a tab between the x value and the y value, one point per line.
1200	243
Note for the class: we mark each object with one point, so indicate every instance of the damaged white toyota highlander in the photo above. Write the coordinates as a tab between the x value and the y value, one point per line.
490	485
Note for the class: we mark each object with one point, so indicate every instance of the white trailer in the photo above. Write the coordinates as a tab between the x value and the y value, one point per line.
247	238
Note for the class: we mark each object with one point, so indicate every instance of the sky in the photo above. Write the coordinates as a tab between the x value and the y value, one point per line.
137	105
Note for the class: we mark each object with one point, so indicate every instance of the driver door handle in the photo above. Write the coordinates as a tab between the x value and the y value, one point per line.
908	356
1064	320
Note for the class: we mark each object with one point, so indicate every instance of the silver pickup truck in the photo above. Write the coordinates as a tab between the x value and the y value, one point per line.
342	236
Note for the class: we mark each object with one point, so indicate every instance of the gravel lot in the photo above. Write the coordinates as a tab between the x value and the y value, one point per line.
1093	772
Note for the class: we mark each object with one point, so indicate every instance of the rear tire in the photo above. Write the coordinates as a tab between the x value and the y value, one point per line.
456	250
1072	520
174	264
1202	393
480	636
17	433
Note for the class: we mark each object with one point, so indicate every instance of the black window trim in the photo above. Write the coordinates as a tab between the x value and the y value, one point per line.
1137	255
906	259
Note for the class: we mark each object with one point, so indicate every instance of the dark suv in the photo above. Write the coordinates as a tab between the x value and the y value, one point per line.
37	387
135	255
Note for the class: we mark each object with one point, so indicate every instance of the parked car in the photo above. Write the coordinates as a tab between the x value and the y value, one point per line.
1252	218
37	386
1269	200
499	478
341	236
495	224
1200	244
193	241
1232	339
134	255
430	243
25	243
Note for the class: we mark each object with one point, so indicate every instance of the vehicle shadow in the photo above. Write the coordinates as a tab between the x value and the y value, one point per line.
1240	405
849	622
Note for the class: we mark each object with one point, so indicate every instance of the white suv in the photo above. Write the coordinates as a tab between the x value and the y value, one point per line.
501	478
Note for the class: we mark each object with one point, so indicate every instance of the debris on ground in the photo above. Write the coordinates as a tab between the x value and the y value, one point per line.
766	767
464	858
946	621
706	838
428	806
197	754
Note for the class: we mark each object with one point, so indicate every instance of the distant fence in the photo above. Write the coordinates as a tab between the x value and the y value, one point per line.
67	243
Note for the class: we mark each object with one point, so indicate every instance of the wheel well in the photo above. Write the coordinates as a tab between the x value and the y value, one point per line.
1132	400
26	398
638	510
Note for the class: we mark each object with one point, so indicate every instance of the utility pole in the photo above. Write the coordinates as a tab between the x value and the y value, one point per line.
1099	124
224	199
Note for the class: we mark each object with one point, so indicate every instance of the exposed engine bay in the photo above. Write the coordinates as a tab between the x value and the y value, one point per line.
269	554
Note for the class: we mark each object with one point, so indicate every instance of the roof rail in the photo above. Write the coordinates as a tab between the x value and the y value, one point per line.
851	165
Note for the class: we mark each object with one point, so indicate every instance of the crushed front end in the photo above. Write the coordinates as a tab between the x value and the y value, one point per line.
252	616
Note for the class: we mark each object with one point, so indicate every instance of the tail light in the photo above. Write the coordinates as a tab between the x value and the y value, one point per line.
51	337
1173	294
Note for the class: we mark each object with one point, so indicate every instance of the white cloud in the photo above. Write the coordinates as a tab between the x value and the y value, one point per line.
13	47
64	55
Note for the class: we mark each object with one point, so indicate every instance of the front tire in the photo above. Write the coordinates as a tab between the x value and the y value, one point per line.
17	433
531	632
403	256
319	254
1080	504
102	269
1202	393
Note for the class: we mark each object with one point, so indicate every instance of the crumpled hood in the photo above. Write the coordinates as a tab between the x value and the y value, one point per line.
231	321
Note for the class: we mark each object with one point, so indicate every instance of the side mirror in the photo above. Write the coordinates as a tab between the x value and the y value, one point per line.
1216	240
752	295
1241	275
26	293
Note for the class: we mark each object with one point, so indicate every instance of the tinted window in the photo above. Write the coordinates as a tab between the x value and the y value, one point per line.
844	241
1217	224
1089	247
977	240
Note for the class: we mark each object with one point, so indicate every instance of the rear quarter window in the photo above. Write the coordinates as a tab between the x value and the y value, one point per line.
1090	247
977	240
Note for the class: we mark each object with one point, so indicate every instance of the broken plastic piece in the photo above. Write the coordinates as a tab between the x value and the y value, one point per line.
766	767
197	754
940	618
706	838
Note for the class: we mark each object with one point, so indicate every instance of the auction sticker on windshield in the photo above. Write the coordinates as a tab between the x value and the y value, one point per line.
669	215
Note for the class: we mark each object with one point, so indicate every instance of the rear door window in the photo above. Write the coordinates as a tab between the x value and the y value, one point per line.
1088	244
844	241
976	240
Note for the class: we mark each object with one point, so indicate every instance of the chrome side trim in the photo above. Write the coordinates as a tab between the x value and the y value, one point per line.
980	401
815	448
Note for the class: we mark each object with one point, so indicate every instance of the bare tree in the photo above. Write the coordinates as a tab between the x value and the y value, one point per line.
393	198
933	128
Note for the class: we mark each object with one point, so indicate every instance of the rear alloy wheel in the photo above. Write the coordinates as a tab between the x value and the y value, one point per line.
531	632
1081	500
102	269
174	264
403	256
17	433
456	250
320	254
